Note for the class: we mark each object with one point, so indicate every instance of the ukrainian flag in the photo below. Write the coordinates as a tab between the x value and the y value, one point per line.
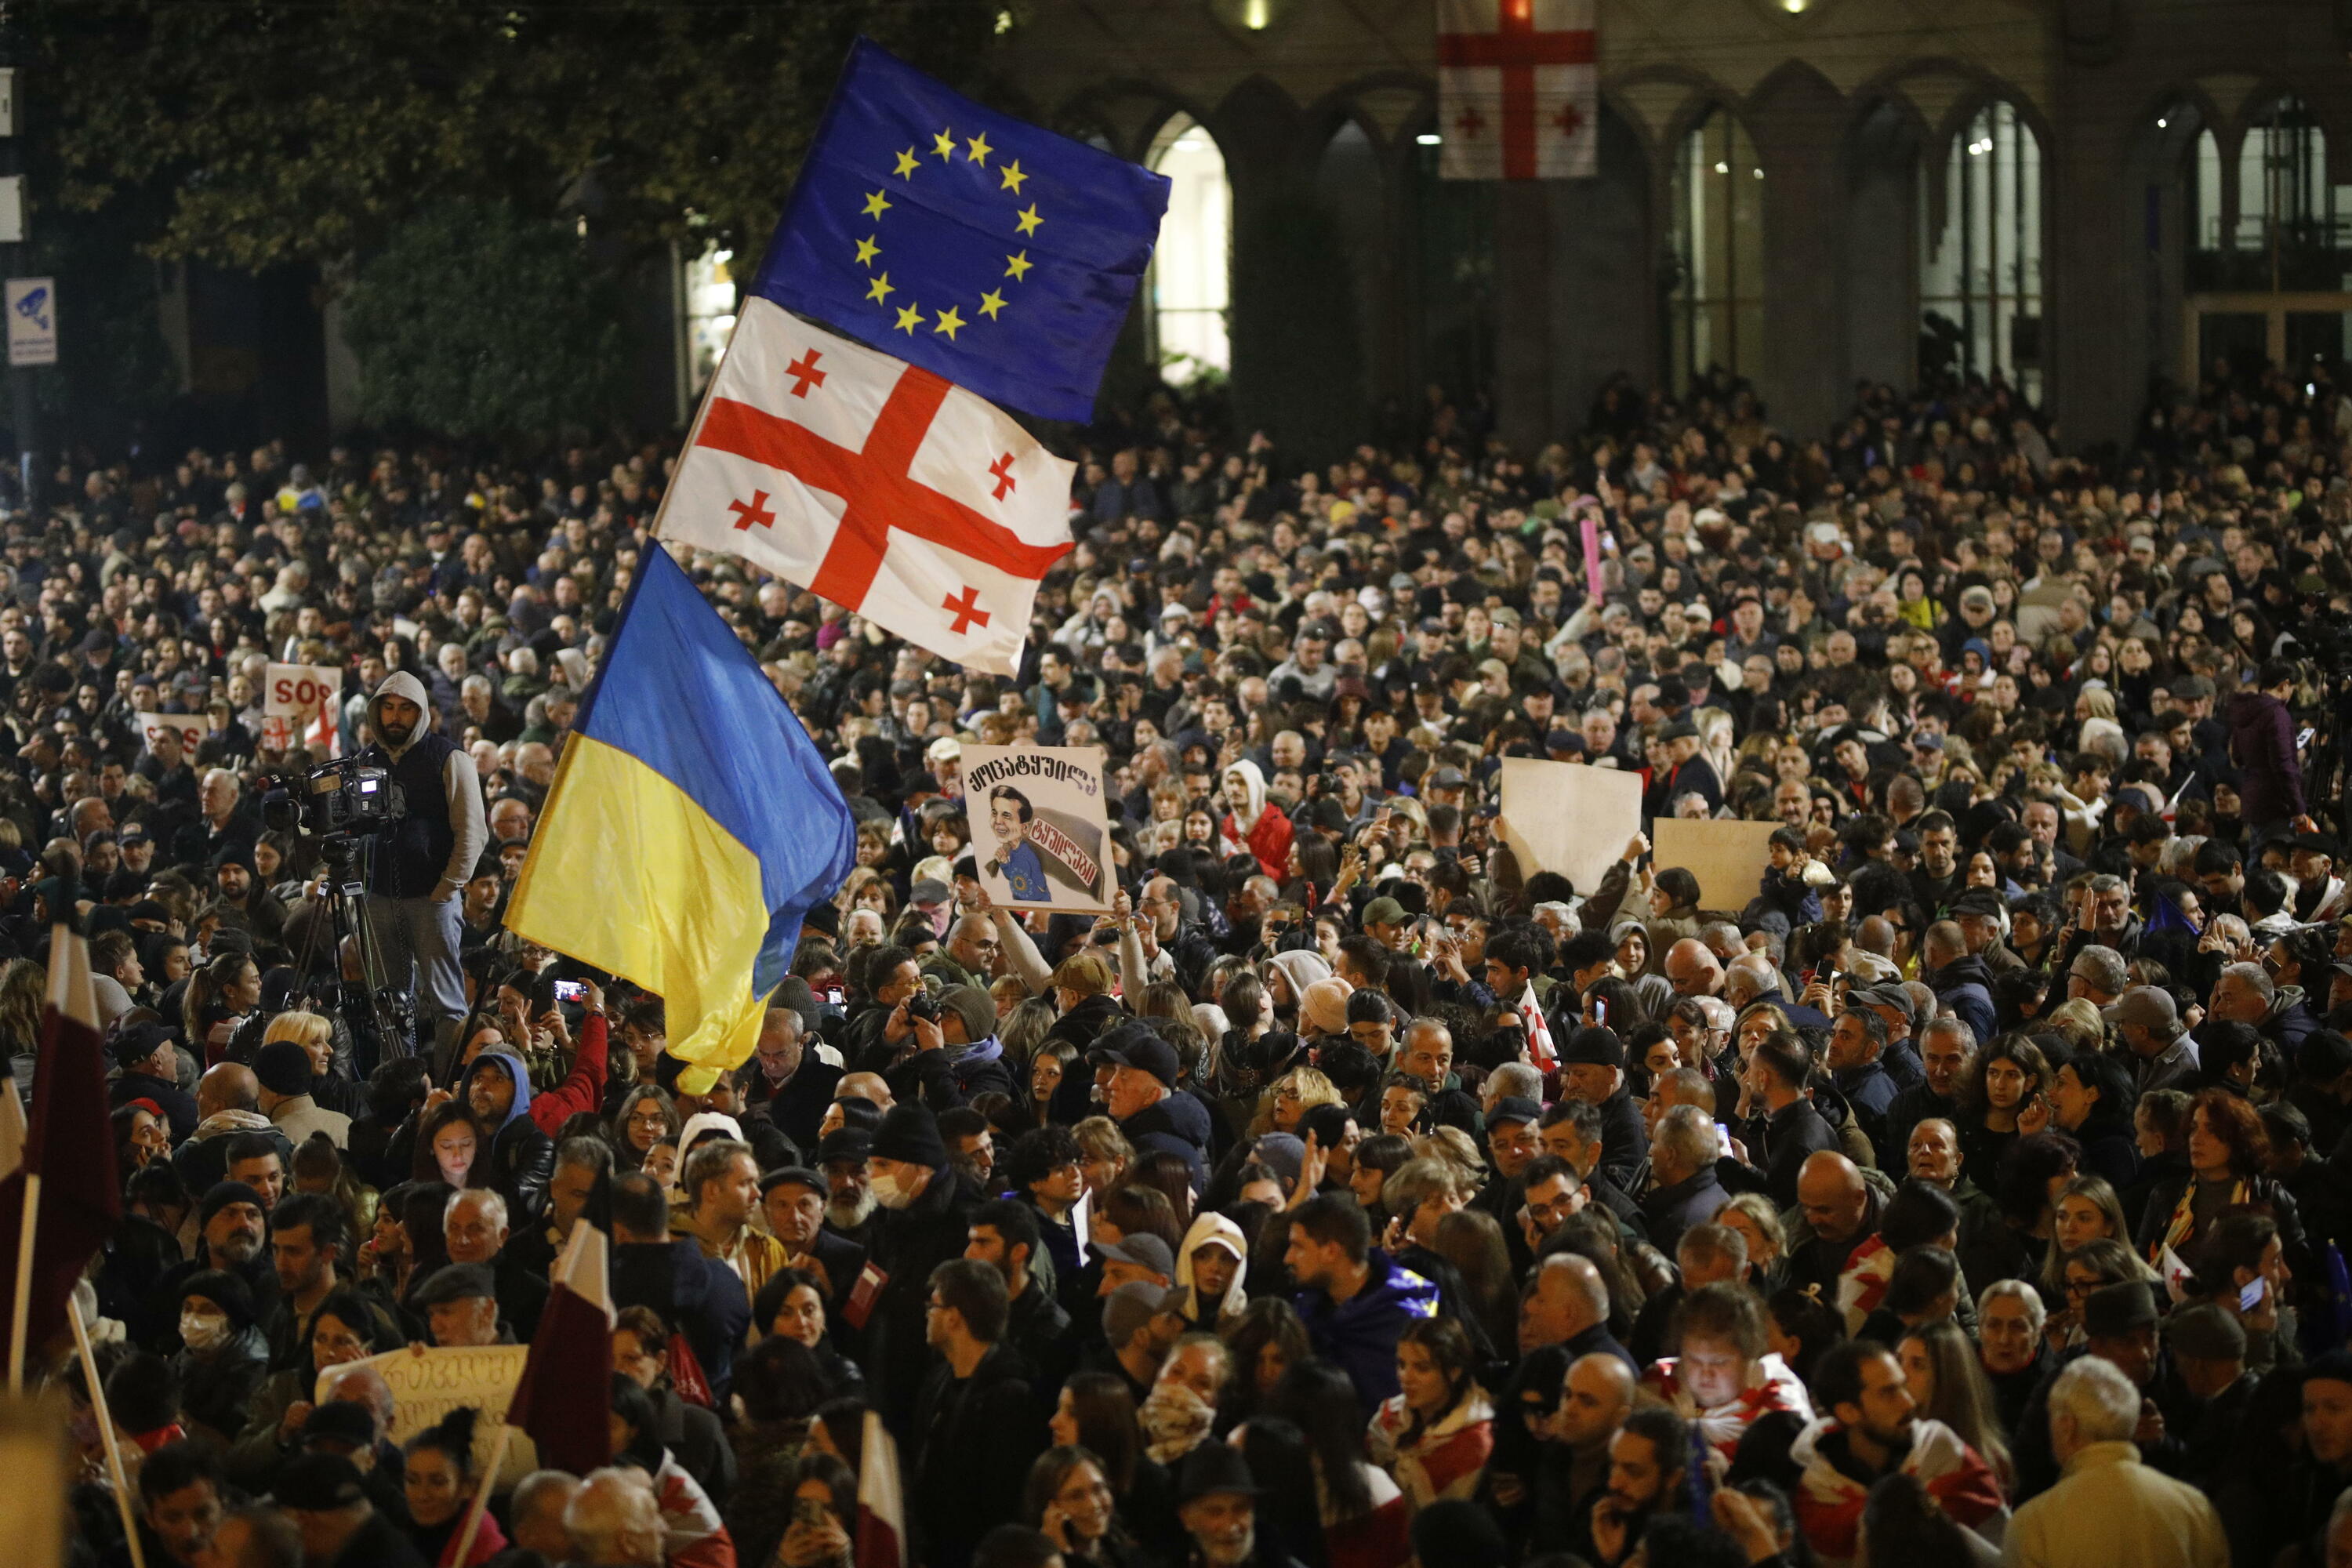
691	825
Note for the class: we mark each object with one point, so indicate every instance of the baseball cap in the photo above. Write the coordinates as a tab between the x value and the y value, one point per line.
1385	910
1135	1045
1129	1308
1142	1249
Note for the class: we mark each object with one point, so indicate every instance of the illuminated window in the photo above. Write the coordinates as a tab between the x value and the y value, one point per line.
1981	273
1716	315
709	291
1190	269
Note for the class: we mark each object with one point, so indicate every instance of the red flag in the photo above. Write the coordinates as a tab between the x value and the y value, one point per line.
564	1399
70	1142
881	1505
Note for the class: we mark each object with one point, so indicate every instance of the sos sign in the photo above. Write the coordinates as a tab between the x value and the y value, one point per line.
298	706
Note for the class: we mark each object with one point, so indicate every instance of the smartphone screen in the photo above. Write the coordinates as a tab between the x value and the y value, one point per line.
570	990
2252	1296
1601	1010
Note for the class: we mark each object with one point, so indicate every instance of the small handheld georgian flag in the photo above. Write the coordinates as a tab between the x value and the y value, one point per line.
877	485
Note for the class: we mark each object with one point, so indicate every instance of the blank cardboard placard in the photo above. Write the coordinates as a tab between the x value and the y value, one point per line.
1727	857
1569	818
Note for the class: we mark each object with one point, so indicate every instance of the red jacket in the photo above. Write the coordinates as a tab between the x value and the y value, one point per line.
582	1091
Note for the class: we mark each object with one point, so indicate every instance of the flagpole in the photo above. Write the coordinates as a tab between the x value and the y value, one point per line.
482	1493
21	1311
105	1431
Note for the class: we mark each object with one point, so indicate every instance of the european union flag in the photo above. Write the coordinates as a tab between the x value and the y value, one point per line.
985	250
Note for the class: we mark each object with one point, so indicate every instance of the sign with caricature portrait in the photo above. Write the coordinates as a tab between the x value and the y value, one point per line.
1040	826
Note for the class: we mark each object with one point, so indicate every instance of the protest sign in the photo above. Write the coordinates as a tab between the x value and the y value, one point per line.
299	708
191	726
427	1383
1040	833
1569	818
1727	857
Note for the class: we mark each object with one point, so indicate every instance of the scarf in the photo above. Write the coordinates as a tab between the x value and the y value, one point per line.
979	1053
1175	1420
220	1123
2184	1220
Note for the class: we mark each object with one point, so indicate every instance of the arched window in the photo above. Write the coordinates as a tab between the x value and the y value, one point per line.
1192	267
1981	269
707	285
1717	303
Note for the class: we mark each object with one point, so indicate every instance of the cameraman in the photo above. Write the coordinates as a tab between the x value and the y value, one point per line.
421	860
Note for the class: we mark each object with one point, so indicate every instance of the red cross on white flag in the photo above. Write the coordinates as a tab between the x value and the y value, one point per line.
876	485
1518	94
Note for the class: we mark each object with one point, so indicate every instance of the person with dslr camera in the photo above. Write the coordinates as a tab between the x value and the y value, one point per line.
420	859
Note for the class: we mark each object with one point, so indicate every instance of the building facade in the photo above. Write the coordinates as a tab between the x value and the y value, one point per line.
2074	195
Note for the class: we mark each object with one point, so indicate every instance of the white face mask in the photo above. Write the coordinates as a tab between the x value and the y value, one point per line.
201	1331
890	1190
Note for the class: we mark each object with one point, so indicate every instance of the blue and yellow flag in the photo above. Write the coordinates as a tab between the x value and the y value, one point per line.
999	255
691	824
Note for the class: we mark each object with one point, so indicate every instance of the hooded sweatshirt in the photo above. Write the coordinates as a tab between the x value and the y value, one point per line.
431	851
1211	1228
504	1056
1255	826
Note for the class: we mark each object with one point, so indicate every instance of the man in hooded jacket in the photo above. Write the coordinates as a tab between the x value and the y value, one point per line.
421	860
521	1158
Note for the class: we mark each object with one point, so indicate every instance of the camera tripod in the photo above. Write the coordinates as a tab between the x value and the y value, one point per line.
374	1013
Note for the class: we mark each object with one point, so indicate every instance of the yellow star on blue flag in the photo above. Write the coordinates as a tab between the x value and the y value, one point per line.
1030	243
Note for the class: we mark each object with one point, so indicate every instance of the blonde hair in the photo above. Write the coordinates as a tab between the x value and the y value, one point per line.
2079	1023
302	1028
1313	1089
1087	974
1452	1146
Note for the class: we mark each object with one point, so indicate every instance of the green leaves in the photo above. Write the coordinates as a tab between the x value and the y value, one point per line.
266	131
477	322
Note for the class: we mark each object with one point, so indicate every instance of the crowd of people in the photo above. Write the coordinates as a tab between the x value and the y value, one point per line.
1972	1185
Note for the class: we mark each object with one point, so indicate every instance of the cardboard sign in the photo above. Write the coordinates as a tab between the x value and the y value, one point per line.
1040	828
193	729
1569	818
300	707
427	1383
1729	858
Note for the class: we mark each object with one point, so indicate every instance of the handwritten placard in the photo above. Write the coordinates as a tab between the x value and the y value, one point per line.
427	1383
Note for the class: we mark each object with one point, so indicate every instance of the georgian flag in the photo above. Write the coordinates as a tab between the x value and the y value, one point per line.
564	1400
874	484
881	1503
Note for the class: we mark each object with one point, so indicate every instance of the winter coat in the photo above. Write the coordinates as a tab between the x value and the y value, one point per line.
2261	743
1964	986
1361	1334
521	1156
1178	1125
1255	827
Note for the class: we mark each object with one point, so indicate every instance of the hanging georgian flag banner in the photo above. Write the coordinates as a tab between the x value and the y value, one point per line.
1519	91
874	484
